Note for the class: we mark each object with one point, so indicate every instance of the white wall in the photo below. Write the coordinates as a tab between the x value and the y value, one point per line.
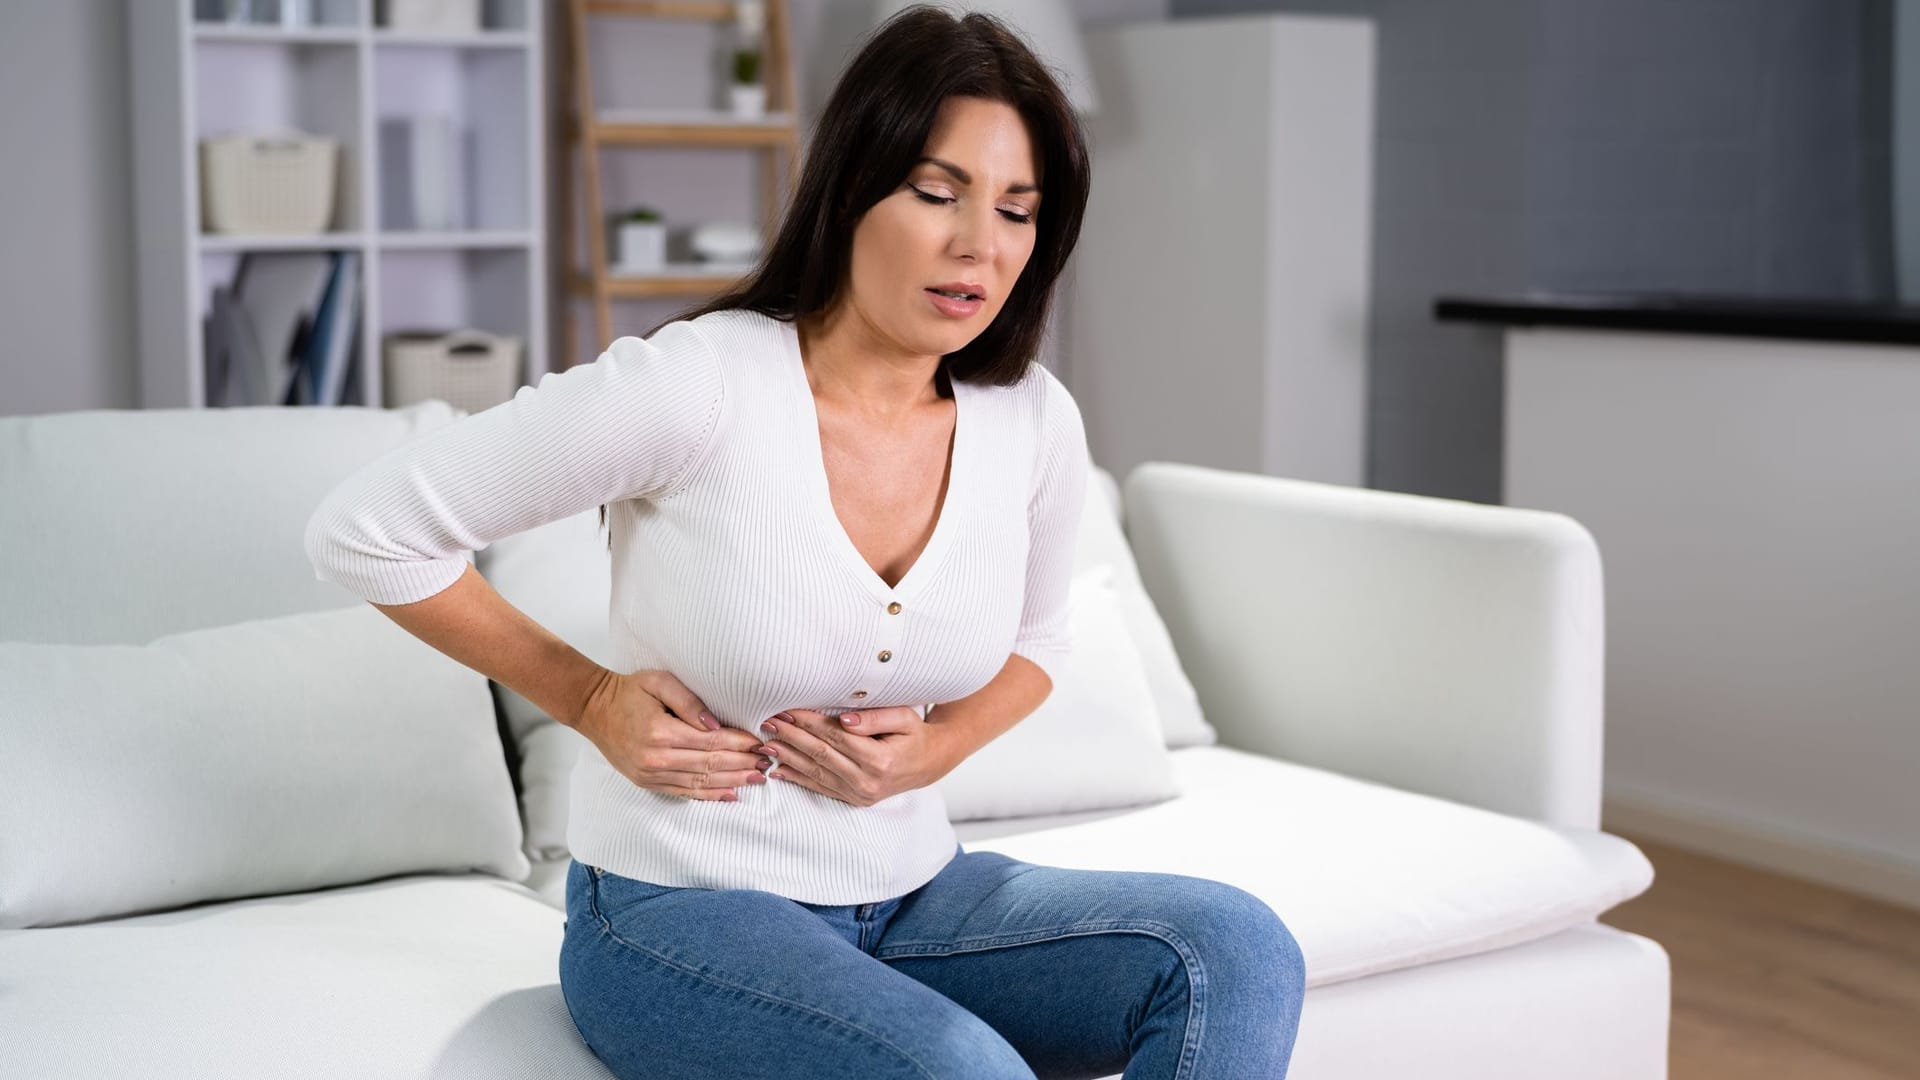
1751	502
66	287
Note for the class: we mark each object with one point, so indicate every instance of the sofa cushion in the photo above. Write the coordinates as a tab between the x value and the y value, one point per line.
268	756
125	524
1102	543
1367	877
1094	743
412	977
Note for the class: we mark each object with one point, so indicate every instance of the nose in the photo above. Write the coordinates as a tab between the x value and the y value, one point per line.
977	236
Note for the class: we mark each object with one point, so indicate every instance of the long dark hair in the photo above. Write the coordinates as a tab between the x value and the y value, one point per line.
873	130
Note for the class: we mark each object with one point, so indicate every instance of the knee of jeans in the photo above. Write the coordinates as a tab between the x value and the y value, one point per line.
965	1046
1239	926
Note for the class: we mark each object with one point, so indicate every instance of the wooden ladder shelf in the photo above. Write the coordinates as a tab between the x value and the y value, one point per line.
775	137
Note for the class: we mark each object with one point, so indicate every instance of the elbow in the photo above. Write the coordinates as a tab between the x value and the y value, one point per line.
319	541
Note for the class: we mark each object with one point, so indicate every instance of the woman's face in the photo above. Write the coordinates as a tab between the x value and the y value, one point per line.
964	215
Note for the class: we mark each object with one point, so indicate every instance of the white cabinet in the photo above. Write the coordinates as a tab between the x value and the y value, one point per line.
1219	311
342	76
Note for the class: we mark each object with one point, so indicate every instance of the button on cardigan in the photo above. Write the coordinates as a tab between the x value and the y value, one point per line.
732	571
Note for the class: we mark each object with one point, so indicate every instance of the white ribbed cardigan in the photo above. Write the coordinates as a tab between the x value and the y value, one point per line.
732	571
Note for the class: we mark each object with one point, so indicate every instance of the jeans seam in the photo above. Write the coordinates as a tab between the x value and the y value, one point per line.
607	928
1196	973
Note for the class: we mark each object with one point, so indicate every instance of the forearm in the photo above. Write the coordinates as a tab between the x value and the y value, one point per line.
969	723
475	625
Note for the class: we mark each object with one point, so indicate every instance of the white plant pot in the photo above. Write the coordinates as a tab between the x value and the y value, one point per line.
643	245
749	99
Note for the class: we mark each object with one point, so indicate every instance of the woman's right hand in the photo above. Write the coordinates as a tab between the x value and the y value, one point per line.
651	728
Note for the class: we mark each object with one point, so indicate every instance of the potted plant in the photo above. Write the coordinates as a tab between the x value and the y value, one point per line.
642	240
749	96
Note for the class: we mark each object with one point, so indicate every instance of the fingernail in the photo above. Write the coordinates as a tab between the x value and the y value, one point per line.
729	797
849	718
707	719
768	727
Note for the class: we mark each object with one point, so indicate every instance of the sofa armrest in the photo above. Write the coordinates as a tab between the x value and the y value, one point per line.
1440	646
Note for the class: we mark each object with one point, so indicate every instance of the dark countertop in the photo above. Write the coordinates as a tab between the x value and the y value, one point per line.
1674	313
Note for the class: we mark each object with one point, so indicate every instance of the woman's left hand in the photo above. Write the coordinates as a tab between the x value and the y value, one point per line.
882	753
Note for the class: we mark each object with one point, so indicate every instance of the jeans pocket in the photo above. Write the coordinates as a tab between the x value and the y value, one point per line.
615	897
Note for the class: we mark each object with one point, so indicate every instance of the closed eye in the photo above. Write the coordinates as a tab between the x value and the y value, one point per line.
1018	219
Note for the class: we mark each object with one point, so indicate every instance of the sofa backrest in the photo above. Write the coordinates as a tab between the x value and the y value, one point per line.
118	526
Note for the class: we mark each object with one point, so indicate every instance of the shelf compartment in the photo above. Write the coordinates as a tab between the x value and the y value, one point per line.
484	95
479	288
332	19
313	88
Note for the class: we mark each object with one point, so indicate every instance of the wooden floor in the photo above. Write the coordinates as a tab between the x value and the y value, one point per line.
1775	977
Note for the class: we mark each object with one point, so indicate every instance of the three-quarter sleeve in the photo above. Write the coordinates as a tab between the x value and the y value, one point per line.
1053	523
634	423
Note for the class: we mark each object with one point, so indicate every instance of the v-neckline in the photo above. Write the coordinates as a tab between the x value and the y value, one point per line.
821	497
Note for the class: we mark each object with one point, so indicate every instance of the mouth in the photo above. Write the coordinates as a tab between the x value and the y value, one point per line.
953	306
956	294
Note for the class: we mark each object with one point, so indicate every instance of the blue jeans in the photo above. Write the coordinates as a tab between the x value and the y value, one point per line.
995	968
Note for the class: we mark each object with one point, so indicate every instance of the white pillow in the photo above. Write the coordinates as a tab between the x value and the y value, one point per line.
547	753
1095	743
268	756
561	575
1101	542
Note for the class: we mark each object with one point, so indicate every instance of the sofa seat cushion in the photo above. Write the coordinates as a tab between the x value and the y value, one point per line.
421	976
1368	878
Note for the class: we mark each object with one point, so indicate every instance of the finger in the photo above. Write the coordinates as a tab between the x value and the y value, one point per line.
673	734
890	720
678	759
679	700
807	773
829	764
819	772
799	779
708	795
695	781
830	744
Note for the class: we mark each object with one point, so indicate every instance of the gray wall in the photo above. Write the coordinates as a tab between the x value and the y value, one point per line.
66	209
1690	145
1724	146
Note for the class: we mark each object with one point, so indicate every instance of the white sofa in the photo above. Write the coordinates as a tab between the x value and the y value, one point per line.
1406	693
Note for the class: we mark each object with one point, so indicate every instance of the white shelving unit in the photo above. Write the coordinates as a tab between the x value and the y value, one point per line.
342	77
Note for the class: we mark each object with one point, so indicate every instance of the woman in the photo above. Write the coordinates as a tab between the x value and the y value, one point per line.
833	494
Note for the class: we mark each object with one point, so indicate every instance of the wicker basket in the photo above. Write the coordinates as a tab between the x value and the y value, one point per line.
281	184
468	369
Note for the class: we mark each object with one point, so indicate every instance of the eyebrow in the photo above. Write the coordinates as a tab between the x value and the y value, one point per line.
960	174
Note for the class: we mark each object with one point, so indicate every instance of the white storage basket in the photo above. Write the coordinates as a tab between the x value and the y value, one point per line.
468	369
272	184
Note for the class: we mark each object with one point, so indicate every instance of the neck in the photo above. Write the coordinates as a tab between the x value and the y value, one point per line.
851	365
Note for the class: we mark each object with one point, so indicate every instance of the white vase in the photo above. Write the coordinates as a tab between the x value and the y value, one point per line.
749	100
643	245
